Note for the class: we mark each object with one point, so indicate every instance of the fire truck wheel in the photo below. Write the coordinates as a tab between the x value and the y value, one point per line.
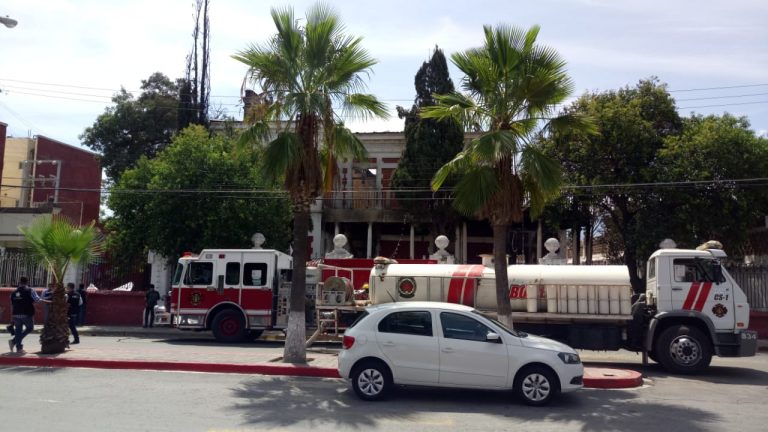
371	380
536	385
229	326
683	349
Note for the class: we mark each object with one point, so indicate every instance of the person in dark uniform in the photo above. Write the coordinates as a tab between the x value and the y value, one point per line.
23	312
152	297
83	295
74	301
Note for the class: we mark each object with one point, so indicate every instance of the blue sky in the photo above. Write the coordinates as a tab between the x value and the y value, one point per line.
60	65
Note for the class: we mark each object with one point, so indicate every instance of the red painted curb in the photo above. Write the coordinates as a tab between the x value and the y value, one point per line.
607	378
276	369
603	378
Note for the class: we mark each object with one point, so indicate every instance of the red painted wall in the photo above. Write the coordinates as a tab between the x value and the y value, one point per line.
80	181
109	308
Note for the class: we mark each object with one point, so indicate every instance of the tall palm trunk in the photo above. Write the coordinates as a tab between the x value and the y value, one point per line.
54	338
502	280
294	351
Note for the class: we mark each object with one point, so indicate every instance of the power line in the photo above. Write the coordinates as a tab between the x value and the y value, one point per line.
718	88
722	105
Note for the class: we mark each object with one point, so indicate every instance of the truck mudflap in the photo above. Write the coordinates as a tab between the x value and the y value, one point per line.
743	344
748	343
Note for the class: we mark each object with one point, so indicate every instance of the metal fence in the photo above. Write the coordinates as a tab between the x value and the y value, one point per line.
753	279
14	264
103	273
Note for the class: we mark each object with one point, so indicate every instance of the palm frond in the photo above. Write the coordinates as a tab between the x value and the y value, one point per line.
280	153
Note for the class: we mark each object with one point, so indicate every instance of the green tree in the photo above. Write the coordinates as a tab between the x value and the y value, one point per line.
199	192
309	72
429	144
56	242
513	87
135	127
713	155
633	123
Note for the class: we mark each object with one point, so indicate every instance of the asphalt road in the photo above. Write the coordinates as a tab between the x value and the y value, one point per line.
731	397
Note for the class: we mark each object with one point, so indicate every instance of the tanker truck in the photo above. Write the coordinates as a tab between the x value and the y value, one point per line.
691	310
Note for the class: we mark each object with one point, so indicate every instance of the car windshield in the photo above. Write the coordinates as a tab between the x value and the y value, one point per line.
502	326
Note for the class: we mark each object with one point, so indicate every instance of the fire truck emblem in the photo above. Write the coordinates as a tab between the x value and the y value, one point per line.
406	287
195	298
719	310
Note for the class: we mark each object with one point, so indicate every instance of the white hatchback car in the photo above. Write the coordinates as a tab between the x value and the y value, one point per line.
450	345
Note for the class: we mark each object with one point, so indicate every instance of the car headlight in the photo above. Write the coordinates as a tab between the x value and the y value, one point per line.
569	358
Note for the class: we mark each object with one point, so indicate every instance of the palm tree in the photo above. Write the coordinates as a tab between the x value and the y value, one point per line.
512	88
56	242
307	73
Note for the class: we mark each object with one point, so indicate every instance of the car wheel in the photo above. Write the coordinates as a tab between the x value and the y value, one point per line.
371	381
536	385
229	326
683	349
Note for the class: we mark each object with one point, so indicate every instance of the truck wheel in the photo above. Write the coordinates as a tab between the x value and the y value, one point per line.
536	385
683	349
229	326
371	380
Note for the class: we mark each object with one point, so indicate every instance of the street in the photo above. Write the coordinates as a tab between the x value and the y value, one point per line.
729	397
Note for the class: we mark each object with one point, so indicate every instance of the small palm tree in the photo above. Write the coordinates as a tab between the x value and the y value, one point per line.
512	89
307	73
56	242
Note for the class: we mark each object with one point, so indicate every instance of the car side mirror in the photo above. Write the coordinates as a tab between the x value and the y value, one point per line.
493	337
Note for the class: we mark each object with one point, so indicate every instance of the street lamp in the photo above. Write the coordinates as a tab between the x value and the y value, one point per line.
8	22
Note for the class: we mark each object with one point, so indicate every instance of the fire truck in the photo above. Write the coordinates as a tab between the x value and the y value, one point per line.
239	293
691	310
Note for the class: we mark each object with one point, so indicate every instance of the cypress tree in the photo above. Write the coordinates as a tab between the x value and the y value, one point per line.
429	145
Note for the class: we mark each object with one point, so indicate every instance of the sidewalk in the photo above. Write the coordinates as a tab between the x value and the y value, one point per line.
168	349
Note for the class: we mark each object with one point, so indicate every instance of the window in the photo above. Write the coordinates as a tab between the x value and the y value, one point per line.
652	269
457	326
413	323
200	273
233	273
255	274
697	270
177	274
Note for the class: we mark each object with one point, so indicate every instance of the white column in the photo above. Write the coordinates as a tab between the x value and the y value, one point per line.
369	248
412	241
335	229
464	241
457	246
539	241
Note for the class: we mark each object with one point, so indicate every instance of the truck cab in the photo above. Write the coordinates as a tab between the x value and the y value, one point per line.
696	310
233	292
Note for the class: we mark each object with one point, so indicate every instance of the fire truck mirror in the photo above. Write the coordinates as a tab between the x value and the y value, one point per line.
220	284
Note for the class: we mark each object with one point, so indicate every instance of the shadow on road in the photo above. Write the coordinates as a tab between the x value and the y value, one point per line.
732	375
283	402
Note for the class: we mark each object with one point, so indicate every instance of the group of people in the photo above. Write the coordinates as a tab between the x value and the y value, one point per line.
23	301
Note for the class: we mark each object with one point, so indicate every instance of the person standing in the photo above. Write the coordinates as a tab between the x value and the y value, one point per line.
46	296
74	301
84	296
152	297
23	301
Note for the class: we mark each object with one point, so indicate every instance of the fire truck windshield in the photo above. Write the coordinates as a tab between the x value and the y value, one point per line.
177	274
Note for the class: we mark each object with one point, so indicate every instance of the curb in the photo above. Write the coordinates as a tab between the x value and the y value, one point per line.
608	378
277	369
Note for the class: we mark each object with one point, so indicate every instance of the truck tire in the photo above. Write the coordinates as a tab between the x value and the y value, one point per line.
229	326
371	380
536	385
683	349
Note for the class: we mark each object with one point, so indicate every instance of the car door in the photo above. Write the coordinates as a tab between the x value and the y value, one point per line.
408	341
467	358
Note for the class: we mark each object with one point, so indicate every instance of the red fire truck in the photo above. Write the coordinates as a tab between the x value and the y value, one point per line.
239	293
